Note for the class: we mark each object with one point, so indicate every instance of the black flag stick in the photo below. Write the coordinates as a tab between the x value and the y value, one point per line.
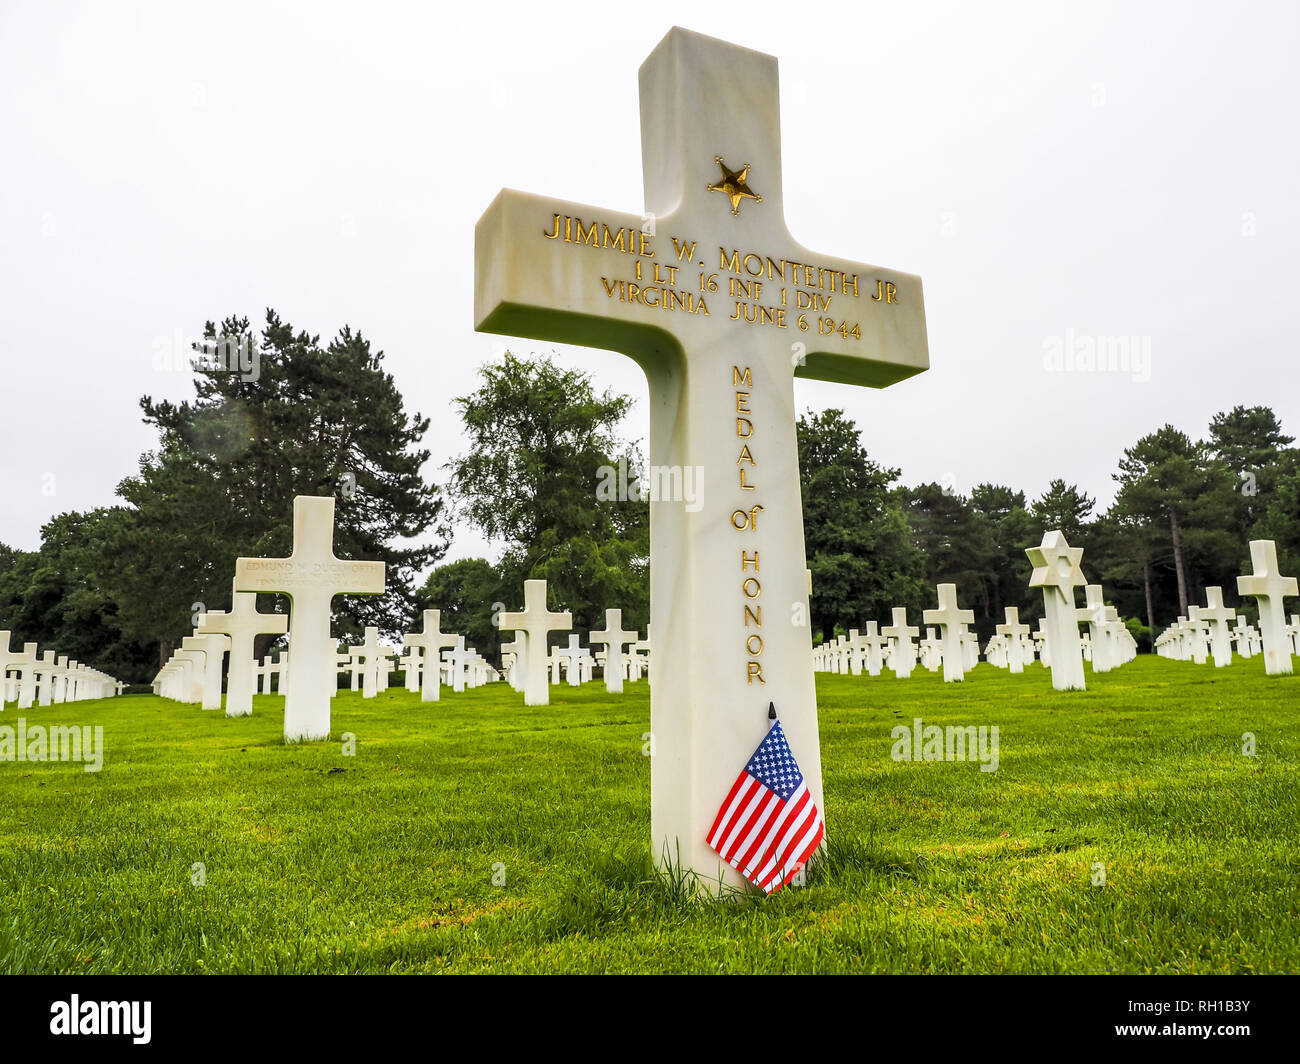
771	711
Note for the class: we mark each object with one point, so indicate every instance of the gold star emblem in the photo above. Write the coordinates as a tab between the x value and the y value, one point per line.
735	185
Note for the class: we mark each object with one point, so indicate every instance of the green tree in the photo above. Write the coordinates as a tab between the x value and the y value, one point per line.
313	420
56	597
541	445
957	543
1280	516
469	594
1250	444
1012	529
1248	439
1063	508
1167	479
856	538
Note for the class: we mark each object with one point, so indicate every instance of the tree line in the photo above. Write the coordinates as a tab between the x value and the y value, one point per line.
117	587
1183	515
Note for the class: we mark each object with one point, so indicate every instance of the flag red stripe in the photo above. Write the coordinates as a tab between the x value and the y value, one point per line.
776	858
795	812
747	800
760	858
808	851
755	822
797	853
726	803
760	832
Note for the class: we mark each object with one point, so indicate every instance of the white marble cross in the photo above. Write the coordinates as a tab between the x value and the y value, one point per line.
190	687
371	651
243	624
517	650
385	658
931	650
1016	633
873	643
431	641
535	620
1098	617
457	659
408	664
613	639
722	309
26	664
46	669
213	648
1198	634
952	622
573	655
641	650
311	576
1268	587
1218	617
900	635
9	659
1058	571
60	677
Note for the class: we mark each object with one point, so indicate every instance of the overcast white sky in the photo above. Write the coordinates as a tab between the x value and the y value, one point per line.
1045	167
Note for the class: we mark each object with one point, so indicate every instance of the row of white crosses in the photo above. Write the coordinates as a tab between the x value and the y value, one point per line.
193	673
949	642
310	577
531	669
44	678
1058	570
1207	631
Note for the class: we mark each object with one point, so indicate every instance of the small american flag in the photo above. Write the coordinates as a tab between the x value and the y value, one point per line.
769	825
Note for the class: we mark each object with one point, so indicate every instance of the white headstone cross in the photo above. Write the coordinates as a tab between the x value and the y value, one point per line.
1218	618
243	624
1058	571
535	621
722	309
370	651
901	635
213	649
311	576
1268	587
457	659
614	639
1016	634
1099	618
9	659
952	621
573	655
431	642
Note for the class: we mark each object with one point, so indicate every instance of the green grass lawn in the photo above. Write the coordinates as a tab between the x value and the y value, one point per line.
384	861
